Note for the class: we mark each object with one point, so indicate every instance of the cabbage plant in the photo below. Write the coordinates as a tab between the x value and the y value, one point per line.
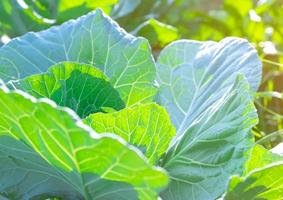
87	113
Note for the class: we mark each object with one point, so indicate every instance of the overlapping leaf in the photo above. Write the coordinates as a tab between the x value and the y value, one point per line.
260	157
263	183
80	87
146	126
214	147
45	151
213	119
92	39
262	180
192	75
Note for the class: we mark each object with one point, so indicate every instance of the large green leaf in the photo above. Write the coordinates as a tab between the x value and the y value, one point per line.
265	183
46	151
214	147
93	39
261	157
78	86
146	126
212	118
193	75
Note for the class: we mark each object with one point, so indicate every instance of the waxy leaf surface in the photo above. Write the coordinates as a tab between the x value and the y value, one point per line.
93	39
46	151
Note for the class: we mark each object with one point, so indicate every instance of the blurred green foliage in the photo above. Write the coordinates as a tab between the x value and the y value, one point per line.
163	21
17	19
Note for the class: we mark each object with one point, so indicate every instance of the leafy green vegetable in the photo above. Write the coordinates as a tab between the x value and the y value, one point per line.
213	147
92	39
78	86
45	151
193	75
196	80
262	178
91	65
146	126
264	183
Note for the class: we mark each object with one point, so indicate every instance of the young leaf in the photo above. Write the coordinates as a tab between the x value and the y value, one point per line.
213	148
80	87
146	126
46	152
263	183
92	39
261	157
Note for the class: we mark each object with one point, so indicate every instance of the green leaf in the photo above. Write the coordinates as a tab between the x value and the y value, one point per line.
125	7
158	34
22	16
80	87
263	183
193	75
72	9
92	39
45	8
212	117
214	147
45	151
145	126
261	157
131	13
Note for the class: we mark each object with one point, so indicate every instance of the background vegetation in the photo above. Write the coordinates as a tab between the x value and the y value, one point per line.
163	21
